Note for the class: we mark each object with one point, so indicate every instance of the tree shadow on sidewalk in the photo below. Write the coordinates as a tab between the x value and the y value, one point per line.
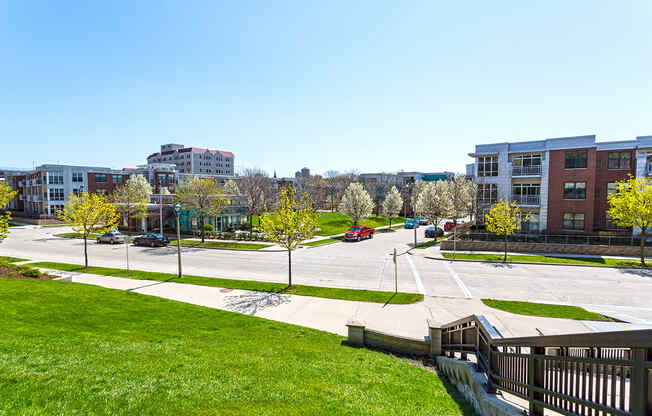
252	302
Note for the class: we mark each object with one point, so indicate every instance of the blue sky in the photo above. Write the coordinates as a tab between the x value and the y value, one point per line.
368	85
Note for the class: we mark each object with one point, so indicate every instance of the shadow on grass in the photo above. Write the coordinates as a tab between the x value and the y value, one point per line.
389	300
637	272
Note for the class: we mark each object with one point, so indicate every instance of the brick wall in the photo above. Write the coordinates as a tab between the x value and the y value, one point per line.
108	186
603	176
598	250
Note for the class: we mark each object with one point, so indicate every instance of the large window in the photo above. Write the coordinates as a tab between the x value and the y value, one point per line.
620	160
611	224
612	188
573	221
487	193
526	193
56	194
116	179
575	190
78	177
55	178
100	178
488	166
526	164
576	159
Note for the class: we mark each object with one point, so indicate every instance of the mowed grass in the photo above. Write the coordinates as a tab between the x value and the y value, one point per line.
69	348
221	244
324	241
11	259
301	290
91	236
545	310
431	243
584	261
331	223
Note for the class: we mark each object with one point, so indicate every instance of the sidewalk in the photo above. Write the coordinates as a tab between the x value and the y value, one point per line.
332	315
435	252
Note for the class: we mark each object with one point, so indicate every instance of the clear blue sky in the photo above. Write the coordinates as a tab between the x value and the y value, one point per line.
370	85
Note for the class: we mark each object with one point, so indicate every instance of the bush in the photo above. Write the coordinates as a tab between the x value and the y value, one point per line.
208	227
31	273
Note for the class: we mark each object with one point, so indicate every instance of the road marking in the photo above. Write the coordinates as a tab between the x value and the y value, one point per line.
415	273
460	283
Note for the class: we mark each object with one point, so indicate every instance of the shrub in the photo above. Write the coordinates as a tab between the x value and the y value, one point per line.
208	227
31	273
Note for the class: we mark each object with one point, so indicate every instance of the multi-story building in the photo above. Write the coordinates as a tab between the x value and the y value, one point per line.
562	183
195	160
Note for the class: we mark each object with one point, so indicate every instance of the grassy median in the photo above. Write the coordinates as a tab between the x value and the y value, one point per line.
324	241
583	261
91	236
432	242
301	290
79	349
221	244
11	259
545	310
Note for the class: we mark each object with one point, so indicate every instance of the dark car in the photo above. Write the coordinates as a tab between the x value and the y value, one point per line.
151	240
433	232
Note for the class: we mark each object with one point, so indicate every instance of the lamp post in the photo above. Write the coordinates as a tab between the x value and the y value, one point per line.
177	211
414	214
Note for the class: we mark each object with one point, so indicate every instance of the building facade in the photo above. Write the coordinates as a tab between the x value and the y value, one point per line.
561	183
195	160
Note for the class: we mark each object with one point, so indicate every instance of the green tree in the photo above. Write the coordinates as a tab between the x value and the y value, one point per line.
131	198
292	221
89	213
505	219
631	206
202	196
6	195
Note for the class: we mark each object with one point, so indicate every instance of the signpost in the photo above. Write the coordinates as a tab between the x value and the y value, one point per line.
395	272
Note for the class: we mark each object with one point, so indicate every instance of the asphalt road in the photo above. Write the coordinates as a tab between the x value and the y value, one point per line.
626	294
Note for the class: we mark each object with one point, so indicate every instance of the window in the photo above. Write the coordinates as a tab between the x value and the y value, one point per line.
526	164
620	160
610	224
487	193
576	159
532	225
56	194
77	177
116	178
55	178
526	193
575	190
170	178
487	166
612	188
573	221
100	177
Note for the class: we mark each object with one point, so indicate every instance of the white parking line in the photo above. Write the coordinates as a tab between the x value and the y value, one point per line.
460	283
415	273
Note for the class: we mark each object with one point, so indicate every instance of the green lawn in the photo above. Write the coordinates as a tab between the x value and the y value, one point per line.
331	223
55	225
221	244
91	236
545	310
11	259
324	241
69	348
301	290
432	242
584	261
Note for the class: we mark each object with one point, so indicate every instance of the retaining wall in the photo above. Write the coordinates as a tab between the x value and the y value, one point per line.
518	247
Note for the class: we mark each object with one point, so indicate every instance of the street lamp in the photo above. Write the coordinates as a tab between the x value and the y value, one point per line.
177	212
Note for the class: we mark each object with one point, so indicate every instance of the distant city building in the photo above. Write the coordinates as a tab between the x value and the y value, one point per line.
302	174
195	160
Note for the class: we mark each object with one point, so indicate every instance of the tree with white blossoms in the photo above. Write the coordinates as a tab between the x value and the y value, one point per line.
392	204
434	201
356	203
131	198
231	188
461	194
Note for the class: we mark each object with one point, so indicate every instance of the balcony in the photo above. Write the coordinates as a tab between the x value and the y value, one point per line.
532	200
526	170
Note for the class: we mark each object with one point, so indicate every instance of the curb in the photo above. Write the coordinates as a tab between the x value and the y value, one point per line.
534	263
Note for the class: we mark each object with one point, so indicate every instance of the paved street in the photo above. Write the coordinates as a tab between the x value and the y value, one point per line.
625	294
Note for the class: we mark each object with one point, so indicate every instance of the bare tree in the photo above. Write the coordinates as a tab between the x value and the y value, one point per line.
258	187
203	196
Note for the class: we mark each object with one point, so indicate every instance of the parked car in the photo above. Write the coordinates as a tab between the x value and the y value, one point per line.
112	237
449	225
411	224
359	232
422	221
151	240
433	232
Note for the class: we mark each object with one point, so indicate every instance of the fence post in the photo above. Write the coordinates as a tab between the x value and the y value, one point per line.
536	376
434	330
641	384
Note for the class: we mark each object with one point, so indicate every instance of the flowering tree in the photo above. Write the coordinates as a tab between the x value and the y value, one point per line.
433	202
505	219
6	195
356	203
392	204
202	196
231	188
132	197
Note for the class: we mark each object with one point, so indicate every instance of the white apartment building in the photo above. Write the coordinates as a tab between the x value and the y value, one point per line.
195	160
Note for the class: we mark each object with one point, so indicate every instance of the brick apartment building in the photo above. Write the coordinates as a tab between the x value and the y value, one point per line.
562	183
195	160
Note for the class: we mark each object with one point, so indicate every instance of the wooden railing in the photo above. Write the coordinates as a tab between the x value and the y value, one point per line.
596	374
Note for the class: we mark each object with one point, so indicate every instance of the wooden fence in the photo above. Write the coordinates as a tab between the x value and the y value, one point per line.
595	374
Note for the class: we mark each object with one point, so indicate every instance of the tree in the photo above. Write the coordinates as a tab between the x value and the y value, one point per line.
257	186
6	195
89	213
356	202
392	204
631	206
202	196
132	197
433	202
291	222
461	193
505	219
231	188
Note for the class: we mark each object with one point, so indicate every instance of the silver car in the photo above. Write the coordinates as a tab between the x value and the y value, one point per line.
113	237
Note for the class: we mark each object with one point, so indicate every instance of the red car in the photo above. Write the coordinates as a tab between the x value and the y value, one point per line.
359	232
449	226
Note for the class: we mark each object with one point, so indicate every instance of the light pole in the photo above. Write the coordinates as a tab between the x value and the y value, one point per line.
414	215
177	211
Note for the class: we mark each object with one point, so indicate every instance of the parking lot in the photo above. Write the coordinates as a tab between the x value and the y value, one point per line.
366	265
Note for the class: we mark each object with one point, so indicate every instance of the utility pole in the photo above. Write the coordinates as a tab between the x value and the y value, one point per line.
395	273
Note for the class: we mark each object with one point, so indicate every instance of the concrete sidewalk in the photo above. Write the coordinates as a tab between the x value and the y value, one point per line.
435	251
332	315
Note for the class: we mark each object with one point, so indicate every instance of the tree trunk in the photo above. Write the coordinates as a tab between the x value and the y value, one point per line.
390	223
643	236
201	231
85	252
505	257
289	268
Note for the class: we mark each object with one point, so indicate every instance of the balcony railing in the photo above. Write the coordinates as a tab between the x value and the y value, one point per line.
526	170
527	199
